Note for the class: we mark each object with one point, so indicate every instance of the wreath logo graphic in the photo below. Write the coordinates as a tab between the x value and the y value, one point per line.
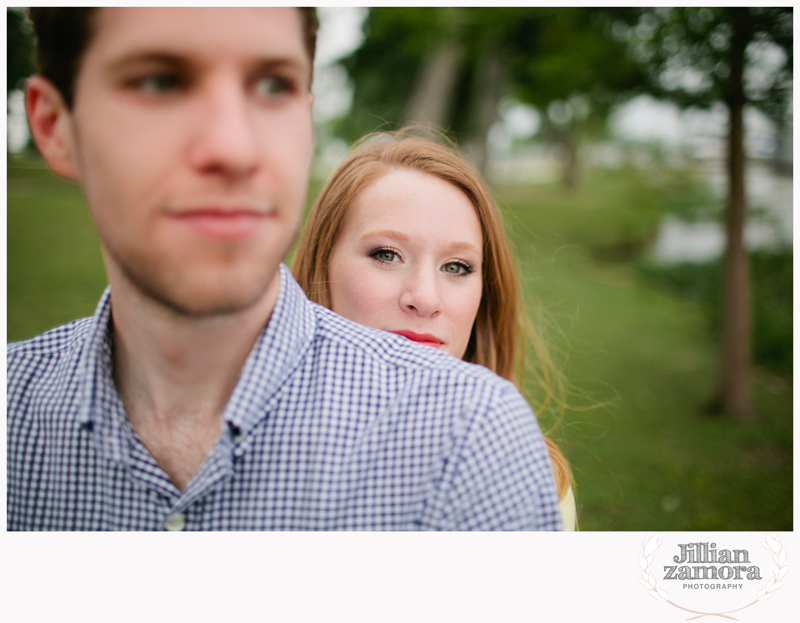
648	580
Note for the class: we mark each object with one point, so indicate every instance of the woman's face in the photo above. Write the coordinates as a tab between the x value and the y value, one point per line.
408	260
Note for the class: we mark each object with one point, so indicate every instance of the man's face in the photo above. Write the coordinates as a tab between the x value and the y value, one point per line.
192	140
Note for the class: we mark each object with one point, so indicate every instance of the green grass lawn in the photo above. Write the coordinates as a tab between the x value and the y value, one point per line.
645	458
640	362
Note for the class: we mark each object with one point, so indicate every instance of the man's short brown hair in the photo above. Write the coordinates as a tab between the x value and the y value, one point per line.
64	33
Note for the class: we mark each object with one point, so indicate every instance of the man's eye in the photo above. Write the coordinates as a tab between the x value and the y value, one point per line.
158	83
272	86
457	268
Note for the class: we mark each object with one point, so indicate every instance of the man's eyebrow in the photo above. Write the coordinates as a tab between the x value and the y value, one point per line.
147	57
289	66
280	62
179	60
386	233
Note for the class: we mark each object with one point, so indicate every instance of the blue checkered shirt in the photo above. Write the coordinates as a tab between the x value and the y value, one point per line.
331	426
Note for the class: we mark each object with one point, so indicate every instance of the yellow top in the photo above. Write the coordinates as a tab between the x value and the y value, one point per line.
569	513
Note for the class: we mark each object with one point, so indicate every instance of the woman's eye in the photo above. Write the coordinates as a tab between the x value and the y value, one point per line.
385	255
457	268
272	86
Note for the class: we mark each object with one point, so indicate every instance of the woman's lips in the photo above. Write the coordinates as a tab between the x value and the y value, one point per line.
222	224
421	338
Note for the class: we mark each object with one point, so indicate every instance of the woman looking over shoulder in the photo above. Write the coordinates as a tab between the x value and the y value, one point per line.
405	237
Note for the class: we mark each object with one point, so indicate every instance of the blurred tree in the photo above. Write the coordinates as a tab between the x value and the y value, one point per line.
566	62
451	67
19	48
695	57
384	69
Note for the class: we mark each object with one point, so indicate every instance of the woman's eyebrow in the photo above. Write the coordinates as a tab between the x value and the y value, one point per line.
386	233
401	237
465	246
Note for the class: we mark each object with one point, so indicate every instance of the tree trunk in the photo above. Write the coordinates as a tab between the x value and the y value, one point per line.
490	81
733	391
435	88
570	142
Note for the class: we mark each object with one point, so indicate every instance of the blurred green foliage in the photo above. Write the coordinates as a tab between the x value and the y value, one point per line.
546	54
19	48
640	359
771	300
690	54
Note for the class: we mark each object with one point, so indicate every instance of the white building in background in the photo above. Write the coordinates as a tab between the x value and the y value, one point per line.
635	128
702	133
702	137
17	134
686	137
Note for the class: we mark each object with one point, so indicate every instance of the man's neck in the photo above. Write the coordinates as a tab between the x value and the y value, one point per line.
175	373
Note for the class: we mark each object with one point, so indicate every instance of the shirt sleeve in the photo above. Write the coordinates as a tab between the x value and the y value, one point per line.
500	476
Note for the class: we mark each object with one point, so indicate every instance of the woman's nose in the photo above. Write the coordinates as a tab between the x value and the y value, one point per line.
421	295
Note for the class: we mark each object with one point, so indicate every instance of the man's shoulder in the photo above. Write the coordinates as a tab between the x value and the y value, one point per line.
55	340
394	352
56	344
495	470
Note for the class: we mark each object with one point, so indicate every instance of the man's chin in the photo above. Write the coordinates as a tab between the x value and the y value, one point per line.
208	305
208	297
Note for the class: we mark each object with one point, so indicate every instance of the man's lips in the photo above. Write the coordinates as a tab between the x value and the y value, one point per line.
422	338
222	223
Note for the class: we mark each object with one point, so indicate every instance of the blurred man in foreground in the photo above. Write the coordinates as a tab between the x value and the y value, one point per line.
206	392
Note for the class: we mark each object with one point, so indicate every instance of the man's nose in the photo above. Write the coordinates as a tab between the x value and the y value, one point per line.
421	294
225	141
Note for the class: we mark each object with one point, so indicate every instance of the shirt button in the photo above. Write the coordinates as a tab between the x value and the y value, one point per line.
176	522
239	438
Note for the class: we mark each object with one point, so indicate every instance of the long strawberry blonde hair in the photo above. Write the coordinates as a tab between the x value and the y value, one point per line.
501	328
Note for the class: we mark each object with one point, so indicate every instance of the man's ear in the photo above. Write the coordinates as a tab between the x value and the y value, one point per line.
50	122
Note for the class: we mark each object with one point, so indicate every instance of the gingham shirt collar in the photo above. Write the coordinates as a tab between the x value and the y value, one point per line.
278	349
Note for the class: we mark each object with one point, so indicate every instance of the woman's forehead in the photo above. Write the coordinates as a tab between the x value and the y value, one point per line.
406	204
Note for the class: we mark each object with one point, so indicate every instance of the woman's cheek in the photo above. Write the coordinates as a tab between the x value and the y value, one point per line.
361	295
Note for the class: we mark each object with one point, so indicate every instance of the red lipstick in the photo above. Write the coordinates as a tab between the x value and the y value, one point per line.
421	338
